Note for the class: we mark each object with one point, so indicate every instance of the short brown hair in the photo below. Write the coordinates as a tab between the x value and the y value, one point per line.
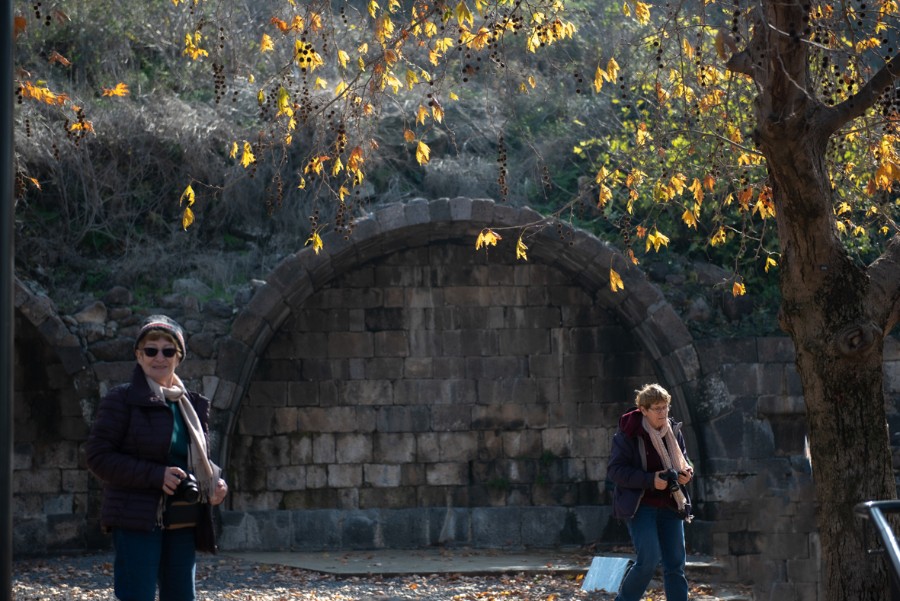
651	394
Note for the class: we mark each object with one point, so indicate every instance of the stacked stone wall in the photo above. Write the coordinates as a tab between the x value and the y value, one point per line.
405	391
435	378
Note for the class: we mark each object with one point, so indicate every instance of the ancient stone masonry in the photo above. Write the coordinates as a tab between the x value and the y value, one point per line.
436	377
400	389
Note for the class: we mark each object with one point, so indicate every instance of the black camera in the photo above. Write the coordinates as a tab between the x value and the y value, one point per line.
188	490
671	477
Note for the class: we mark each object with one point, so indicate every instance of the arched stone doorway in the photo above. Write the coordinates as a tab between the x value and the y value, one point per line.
54	499
370	405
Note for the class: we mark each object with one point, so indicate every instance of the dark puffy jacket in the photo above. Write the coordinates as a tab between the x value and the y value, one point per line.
128	449
627	467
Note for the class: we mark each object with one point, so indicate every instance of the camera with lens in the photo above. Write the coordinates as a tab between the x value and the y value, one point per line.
671	478
188	490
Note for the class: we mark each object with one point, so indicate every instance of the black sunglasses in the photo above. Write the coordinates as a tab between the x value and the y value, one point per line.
151	351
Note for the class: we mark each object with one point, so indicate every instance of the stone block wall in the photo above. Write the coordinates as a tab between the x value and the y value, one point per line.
757	495
432	378
398	392
51	487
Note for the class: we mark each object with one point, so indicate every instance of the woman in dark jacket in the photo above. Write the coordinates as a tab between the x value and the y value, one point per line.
148	444
648	457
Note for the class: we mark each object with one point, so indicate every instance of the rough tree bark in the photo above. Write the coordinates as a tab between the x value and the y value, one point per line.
836	310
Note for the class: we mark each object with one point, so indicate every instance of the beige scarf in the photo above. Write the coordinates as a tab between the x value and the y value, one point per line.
672	459
206	472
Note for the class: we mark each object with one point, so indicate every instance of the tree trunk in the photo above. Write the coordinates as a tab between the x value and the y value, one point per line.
827	310
830	307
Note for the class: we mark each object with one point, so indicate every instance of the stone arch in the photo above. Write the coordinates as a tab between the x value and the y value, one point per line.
39	311
640	306
53	495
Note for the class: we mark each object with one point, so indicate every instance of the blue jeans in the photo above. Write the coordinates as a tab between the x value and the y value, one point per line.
160	557
658	536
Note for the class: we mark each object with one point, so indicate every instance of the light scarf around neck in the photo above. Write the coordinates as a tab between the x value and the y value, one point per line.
670	453
206	472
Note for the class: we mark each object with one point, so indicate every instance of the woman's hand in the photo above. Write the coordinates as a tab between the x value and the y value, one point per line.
219	494
171	480
658	482
685	476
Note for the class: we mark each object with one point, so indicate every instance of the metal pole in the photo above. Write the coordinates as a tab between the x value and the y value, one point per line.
7	215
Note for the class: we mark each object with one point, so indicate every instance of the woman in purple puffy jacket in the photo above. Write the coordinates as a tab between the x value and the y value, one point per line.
148	444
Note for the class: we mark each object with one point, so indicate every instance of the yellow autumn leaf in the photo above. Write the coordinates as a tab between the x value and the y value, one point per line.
605	196
463	14
678	183
247	157
486	238
187	218
192	46
656	239
689	218
121	89
41	93
612	70
316	165
266	44
187	196
770	263
643	135
599	77
234	150
356	159
520	249
337	167
343	58
85	126
718	238
423	153
316	242
284	102
421	115
615	281
697	188
738	289
642	12
411	78
437	111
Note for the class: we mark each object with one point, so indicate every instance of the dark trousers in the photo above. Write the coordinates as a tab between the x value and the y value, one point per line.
145	560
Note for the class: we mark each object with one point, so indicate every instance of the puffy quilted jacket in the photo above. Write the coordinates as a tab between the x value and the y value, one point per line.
628	468
128	449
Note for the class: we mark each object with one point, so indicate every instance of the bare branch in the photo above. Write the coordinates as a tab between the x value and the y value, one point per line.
884	275
859	103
